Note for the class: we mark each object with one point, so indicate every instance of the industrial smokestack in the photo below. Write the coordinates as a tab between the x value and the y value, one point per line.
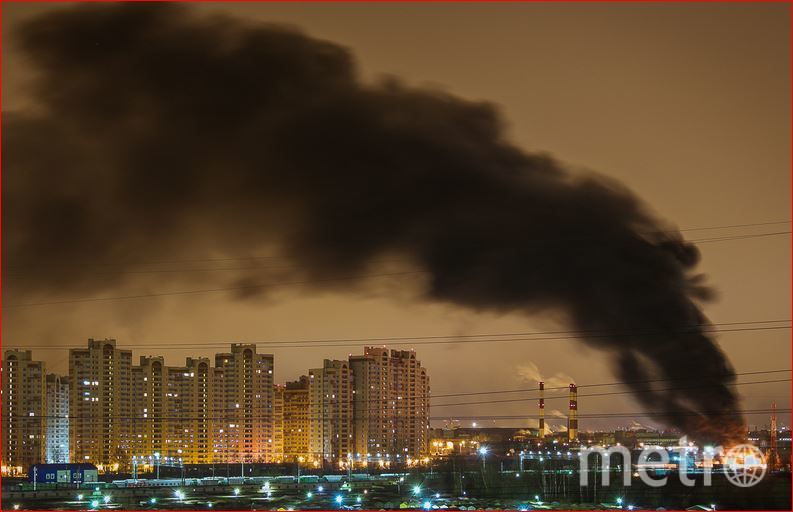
159	135
572	415
541	426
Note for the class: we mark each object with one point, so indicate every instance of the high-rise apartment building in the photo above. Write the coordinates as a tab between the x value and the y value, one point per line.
187	428
278	422
243	405
147	408
330	413
99	404
296	423
23	411
56	433
391	405
373	404
411	392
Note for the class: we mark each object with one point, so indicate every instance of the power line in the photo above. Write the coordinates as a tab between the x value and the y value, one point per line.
212	419
604	384
274	257
739	237
632	414
270	257
389	404
419	342
271	285
611	393
408	339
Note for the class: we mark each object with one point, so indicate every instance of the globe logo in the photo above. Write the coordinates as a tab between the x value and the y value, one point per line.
744	465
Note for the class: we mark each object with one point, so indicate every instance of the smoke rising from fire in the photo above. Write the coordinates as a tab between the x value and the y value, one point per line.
160	135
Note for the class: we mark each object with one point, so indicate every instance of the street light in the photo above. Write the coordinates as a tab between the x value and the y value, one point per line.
417	490
483	453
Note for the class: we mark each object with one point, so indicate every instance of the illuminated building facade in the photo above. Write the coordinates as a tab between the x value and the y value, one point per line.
23	411
296	423
243	405
99	404
278	422
391	404
330	413
56	433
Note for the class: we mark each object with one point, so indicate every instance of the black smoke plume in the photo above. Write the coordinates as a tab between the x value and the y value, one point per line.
159	133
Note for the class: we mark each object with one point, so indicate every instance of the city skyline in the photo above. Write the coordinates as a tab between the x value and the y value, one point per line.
375	405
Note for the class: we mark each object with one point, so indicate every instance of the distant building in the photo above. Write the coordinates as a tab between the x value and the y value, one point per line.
63	473
149	381
640	438
278	422
296	424
57	420
188	429
100	405
390	405
330	412
243	405
412	404
24	410
109	412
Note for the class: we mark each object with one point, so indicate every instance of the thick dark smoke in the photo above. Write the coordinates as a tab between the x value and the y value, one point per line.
161	135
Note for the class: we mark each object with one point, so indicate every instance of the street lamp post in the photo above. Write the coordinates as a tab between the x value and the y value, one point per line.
157	463
483	453
349	467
